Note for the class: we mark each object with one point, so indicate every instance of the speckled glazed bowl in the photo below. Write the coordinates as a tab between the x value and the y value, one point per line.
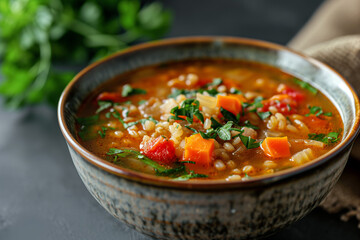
215	209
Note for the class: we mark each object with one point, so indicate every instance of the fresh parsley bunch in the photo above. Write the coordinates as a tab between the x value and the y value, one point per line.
35	35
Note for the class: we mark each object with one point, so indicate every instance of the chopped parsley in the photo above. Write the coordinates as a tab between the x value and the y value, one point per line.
306	86
188	109
142	102
224	131
103	130
317	111
263	115
191	93
129	91
235	91
249	142
331	137
103	105
215	82
249	125
116	115
229	116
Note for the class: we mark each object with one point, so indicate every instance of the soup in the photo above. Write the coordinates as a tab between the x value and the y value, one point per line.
208	119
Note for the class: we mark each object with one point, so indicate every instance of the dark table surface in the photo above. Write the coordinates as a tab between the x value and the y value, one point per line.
41	195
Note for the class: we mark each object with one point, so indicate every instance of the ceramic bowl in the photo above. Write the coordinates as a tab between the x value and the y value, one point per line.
216	209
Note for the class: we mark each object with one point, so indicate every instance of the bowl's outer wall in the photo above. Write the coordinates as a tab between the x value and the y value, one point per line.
222	214
185	214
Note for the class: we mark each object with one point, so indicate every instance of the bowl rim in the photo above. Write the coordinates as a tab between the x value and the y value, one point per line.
201	184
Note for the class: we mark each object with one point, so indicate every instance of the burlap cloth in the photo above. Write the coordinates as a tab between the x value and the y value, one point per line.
332	36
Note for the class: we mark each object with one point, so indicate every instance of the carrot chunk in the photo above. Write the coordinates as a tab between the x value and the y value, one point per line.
276	147
198	150
230	103
160	150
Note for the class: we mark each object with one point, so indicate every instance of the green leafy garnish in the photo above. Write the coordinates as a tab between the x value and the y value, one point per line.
229	116
188	109
224	131
306	86
179	172
190	175
116	115
215	82
264	115
249	125
215	124
331	137
103	130
38	34
235	91
317	111
142	102
252	107
123	153
191	93
249	142
103	105
127	91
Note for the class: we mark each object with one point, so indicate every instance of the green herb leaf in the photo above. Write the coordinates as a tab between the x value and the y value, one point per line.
263	115
177	173
229	115
249	125
142	102
190	175
215	124
188	109
215	82
210	133
191	93
102	132
306	86
224	131
331	137
129	91
249	142
235	91
123	153
103	105
317	111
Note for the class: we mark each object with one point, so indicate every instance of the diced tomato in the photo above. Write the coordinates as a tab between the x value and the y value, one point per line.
110	96
294	94
316	124
160	150
283	103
